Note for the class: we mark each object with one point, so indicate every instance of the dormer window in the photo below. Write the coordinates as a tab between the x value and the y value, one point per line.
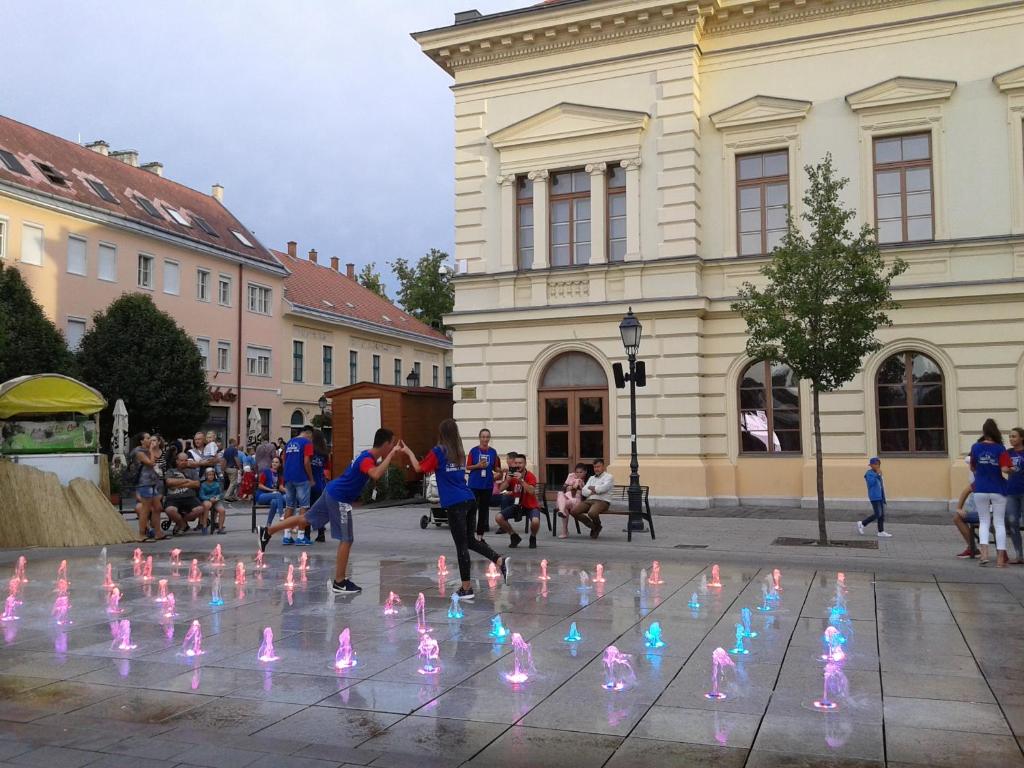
52	174
204	225
101	189
148	207
176	215
241	238
12	163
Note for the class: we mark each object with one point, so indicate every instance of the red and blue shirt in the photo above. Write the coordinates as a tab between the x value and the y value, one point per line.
295	454
1015	483
987	462
482	479
349	486
451	477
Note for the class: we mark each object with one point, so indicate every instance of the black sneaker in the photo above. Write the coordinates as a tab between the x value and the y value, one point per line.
465	594
533	542
505	570
264	537
514	542
346	587
320	536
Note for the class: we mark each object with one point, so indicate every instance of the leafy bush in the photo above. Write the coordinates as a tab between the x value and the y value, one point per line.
391	486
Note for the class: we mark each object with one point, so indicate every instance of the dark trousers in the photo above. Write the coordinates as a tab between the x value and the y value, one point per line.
877	514
483	505
461	522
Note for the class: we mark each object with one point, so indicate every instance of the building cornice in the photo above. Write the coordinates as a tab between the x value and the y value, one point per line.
366	326
899	91
95	215
760	109
1013	80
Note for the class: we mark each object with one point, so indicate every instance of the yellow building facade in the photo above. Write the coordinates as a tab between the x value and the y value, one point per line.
611	154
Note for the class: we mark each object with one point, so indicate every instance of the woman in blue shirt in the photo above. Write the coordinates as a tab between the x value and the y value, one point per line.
269	490
447	461
1015	490
482	462
991	465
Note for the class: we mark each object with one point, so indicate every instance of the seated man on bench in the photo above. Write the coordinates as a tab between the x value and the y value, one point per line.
597	497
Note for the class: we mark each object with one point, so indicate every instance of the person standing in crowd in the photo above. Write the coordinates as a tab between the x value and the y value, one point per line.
1015	491
298	479
521	499
482	462
268	489
334	506
597	497
210	492
991	465
264	454
144	456
447	461
232	467
570	496
876	495
320	461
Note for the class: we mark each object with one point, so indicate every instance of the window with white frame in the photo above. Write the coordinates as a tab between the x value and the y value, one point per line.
204	352
224	291
74	330
223	355
524	222
172	277
762	201
257	361
32	245
76	255
203	285
616	213
569	212
328	362
107	262
145	271
259	299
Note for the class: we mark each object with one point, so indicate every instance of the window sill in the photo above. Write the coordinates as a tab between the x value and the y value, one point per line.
771	455
150	289
76	274
914	455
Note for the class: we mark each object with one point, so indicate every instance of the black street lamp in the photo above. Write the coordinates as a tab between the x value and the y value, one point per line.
631	330
412	380
322	402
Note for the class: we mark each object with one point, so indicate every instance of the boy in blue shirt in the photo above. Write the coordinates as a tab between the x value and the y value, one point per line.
334	505
876	495
298	479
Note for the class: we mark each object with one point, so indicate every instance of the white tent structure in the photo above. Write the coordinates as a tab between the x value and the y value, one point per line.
119	436
255	426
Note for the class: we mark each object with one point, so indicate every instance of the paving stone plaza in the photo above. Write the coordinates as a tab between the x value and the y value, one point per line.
931	670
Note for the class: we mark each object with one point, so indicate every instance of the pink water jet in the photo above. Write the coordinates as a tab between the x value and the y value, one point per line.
841	579
137	556
108	577
492	571
289	579
655	578
114	601
240	573
833	641
260	565
720	660
161	595
175	557
544	571
62	587
122	631
169	606
522	664
9	605
62	570
303	562
61	607
266	652
193	642
217	556
430	653
598	574
716	577
19	569
194	574
618	671
835	684
391	604
345	658
14	589
442	567
777	578
421	614
147	569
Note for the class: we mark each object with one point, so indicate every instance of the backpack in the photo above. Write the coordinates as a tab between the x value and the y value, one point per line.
130	474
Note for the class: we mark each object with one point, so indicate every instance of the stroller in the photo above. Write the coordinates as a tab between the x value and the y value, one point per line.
438	515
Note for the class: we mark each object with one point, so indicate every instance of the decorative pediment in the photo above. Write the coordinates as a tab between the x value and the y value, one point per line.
1010	81
569	121
760	109
900	91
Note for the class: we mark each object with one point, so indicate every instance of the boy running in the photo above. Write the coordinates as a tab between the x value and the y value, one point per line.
334	505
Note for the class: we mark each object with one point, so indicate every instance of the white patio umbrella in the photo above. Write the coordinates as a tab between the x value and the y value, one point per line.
119	436
255	427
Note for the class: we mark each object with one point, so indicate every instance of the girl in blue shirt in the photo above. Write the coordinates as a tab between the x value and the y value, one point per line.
991	465
447	460
1015	490
482	462
269	489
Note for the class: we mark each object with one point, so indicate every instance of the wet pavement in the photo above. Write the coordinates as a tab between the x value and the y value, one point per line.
932	667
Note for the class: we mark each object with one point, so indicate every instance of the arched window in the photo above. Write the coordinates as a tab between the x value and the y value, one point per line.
769	409
574	369
298	420
911	405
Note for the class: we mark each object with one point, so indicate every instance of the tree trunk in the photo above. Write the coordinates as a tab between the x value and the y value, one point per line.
819	471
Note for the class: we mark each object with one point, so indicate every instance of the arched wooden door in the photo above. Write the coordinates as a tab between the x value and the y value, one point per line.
573	398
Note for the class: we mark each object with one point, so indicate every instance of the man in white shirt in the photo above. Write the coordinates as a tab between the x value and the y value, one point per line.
597	497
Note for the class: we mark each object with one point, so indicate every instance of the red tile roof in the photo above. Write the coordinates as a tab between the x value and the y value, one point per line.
326	291
77	164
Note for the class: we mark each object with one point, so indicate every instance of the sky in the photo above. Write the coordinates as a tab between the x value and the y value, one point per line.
321	118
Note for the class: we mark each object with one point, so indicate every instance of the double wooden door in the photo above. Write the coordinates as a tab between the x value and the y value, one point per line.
573	429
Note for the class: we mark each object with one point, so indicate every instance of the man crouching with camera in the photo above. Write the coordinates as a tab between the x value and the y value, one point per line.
519	498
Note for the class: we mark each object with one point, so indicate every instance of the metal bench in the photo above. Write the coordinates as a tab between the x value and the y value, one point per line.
620	495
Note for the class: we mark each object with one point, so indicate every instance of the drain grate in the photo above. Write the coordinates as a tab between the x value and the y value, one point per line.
788	541
690	546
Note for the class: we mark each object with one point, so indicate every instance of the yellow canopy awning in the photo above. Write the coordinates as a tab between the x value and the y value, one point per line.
48	393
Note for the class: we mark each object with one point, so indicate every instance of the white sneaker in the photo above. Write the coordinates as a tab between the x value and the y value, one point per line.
884	535
860	527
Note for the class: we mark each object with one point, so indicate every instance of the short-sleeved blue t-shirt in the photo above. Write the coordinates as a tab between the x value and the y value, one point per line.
318	464
987	461
349	486
295	453
451	477
1015	483
482	479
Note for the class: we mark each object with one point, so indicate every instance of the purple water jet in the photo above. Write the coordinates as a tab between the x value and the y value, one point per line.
169	606
114	601
835	685
62	570
122	631
522	663
430	653
61	607
192	645
194	574
719	661
19	569
618	671
9	605
147	569
161	594
108	577
266	652
421	614
391	604
345	658
833	642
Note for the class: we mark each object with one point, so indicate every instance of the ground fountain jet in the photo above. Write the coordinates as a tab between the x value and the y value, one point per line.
61	588
777	579
114	601
421	614
169	606
21	565
175	558
122	632
60	610
161	591
716	576
193	642
442	567
766	603
652	637
833	646
584	581
303	562
147	569
738	649
599	574
492	571
544	571
391	604
430	654
9	605
240	573
215	596
703	583
260	565
618	671
835	686
497	630
454	611
266	652
194	574
137	556
655	577
108	577
694	602
62	570
745	618
522	664
217	556
719	661
574	635
345	658
289	578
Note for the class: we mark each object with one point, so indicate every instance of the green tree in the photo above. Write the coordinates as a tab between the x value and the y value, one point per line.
825	295
29	341
136	352
425	288
370	278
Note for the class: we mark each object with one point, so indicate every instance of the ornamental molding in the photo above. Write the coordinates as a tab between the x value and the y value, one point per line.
569	289
569	121
731	16
900	91
1011	80
758	110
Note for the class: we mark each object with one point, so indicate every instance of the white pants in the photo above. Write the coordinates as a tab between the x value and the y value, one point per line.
998	517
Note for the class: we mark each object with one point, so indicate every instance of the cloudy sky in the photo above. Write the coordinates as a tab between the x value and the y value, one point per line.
321	118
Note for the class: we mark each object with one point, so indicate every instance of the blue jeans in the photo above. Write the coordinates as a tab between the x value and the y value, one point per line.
877	515
1014	505
274	499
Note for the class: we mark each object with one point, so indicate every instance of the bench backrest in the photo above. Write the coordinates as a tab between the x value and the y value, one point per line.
621	492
